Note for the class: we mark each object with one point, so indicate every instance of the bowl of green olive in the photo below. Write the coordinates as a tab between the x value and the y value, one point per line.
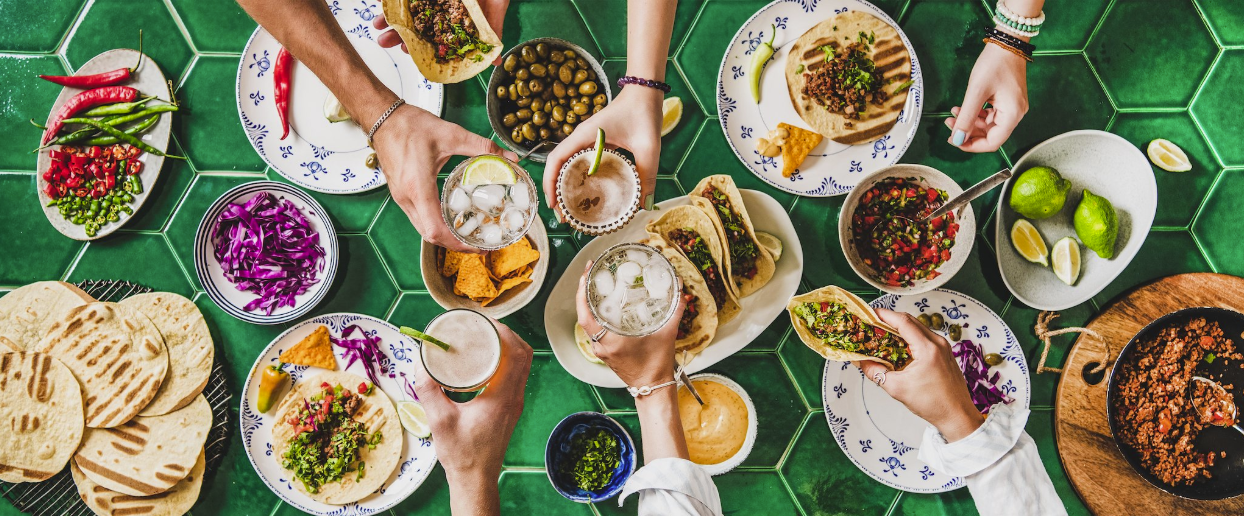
543	89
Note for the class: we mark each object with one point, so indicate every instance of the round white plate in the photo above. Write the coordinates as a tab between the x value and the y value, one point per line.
878	433
224	293
832	168
319	155
759	309
400	352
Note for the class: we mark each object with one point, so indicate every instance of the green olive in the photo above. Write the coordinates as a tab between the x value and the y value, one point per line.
925	320
372	161
537	70
509	120
522	74
510	63
580	76
536	86
569	54
516	134
545	133
523	90
564	101
572	118
567	129
993	359
523	114
584	99
955	332
539	118
513	92
523	102
550	69
579	108
600	99
542	49
591	75
936	321
537	104
559	113
502	92
565	74
557	57
529	131
597	109
528	53
580	62
588	88
559	89
555	125
548	107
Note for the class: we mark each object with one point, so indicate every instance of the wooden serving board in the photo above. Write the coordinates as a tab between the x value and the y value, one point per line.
1097	469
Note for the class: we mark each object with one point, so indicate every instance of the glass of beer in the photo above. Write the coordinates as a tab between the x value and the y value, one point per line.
489	202
632	290
602	202
474	350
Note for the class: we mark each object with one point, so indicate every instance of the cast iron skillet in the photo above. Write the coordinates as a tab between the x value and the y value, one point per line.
1228	472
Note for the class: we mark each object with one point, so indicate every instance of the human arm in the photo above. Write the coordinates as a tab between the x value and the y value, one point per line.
999	78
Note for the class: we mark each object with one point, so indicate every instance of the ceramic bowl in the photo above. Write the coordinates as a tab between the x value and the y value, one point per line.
224	293
499	75
442	288
555	452
726	466
928	177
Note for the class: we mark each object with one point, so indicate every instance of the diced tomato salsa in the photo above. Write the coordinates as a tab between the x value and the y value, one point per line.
891	240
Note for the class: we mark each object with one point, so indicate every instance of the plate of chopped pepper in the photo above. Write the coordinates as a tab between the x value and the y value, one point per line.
320	416
104	142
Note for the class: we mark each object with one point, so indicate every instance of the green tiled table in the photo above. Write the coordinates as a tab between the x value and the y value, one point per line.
1140	68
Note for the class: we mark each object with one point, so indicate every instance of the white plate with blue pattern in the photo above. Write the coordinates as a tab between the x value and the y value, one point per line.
878	433
398	355
319	155
832	168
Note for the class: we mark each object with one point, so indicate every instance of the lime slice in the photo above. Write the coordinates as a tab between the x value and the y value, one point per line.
489	170
1168	156
1066	258
600	150
771	244
414	419
671	114
333	110
1028	243
406	330
585	345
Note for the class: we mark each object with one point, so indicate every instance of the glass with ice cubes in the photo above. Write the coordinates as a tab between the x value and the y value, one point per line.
632	290
489	202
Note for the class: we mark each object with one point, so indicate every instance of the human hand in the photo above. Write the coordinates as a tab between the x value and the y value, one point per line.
631	121
998	78
638	361
931	386
412	146
494	12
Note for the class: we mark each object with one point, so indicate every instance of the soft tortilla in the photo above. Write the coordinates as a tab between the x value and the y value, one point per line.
693	218
704	326
376	412
26	313
117	355
397	13
765	266
41	416
854	304
189	343
890	56
148	455
174	502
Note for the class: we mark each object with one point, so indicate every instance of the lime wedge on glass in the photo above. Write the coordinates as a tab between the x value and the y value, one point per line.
600	150
414	419
406	330
489	170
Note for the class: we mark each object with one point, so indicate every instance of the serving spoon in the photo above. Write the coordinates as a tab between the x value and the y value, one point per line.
976	190
1224	403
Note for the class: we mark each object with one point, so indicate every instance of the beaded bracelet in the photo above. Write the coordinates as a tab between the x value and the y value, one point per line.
631	79
1011	41
1013	29
1025	23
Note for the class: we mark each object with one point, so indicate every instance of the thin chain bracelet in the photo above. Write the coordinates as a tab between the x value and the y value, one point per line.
381	120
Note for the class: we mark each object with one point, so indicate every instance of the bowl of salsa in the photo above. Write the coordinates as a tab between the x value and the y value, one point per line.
887	241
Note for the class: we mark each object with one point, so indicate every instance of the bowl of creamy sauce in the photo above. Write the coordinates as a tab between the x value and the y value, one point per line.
721	432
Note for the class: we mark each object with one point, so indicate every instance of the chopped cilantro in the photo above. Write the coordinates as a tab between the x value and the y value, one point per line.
1209	358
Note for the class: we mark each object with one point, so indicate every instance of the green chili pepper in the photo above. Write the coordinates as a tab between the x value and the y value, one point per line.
761	56
123	119
136	186
121	136
142	127
119	108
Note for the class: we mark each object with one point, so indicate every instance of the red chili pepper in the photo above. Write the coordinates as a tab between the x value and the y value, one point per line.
117	76
280	88
86	100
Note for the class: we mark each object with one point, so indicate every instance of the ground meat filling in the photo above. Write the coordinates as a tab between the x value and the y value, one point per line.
743	249
1154	415
688	315
696	249
847	81
448	26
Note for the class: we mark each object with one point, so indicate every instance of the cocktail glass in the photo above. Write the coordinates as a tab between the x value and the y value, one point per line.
474	350
602	202
489	216
632	289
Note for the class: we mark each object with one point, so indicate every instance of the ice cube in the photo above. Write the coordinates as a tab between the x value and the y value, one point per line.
627	272
644	314
634	296
520	197
610	308
459	201
603	282
657	280
490	234
637	256
488	198
513	220
465	223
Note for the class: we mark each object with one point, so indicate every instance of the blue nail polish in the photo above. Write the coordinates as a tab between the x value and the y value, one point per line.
957	138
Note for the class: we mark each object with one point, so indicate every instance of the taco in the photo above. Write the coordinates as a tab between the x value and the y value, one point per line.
848	77
698	325
750	266
840	326
690	230
449	40
342	453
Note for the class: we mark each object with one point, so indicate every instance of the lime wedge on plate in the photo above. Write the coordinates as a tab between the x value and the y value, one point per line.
489	170
414	419
1168	156
406	330
671	114
771	244
600	150
585	345
1066	257
1028	243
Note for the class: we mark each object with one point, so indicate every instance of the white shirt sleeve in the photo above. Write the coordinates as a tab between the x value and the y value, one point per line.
1000	463
673	487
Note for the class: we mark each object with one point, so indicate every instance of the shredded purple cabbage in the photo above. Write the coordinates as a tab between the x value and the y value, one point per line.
981	385
266	246
366	349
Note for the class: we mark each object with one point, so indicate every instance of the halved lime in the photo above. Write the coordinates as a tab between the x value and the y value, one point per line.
414	419
585	345
489	170
770	243
406	330
600	150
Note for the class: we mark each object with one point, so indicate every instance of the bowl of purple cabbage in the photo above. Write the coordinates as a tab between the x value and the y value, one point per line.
266	252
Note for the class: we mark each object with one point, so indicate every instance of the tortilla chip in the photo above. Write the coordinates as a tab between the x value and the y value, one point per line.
315	350
798	144
505	285
512	257
450	262
473	280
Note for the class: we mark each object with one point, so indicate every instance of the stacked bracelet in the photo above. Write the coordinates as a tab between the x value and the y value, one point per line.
1016	25
630	79
1009	48
1010	41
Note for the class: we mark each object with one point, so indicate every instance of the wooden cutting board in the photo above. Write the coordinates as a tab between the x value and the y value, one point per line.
1097	470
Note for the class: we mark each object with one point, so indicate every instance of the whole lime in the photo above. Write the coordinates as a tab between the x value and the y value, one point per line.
1097	224
1039	193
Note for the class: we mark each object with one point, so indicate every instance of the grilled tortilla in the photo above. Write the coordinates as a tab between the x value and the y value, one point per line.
888	54
704	326
148	455
834	347
695	220
423	52
190	350
41	416
174	502
739	237
26	313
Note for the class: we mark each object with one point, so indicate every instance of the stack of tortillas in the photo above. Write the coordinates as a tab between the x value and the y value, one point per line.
115	386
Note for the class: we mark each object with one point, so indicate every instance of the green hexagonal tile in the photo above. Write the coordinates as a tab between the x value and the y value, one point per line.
431	498
1021	319
551	394
755	492
1063	95
1179	194
711	154
175	178
465	105
824	480
615	399
947	38
399	245
361	285
700	56
1218	226
209	127
529	492
100	30
28	98
1164	253
528	322
415	309
954	503
979	278
350	213
546	18
215	25
779	409
185	222
142	258
1068	23
1225	18
36	26
1218	110
1147	59
1041	428
35	250
234	488
966	168
606	20
816	222
675	144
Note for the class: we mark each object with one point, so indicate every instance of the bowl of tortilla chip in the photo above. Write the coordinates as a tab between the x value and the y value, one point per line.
495	283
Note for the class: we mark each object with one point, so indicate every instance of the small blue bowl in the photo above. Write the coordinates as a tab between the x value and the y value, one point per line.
558	450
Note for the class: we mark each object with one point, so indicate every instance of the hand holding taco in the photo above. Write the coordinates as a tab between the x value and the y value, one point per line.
449	40
840	326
